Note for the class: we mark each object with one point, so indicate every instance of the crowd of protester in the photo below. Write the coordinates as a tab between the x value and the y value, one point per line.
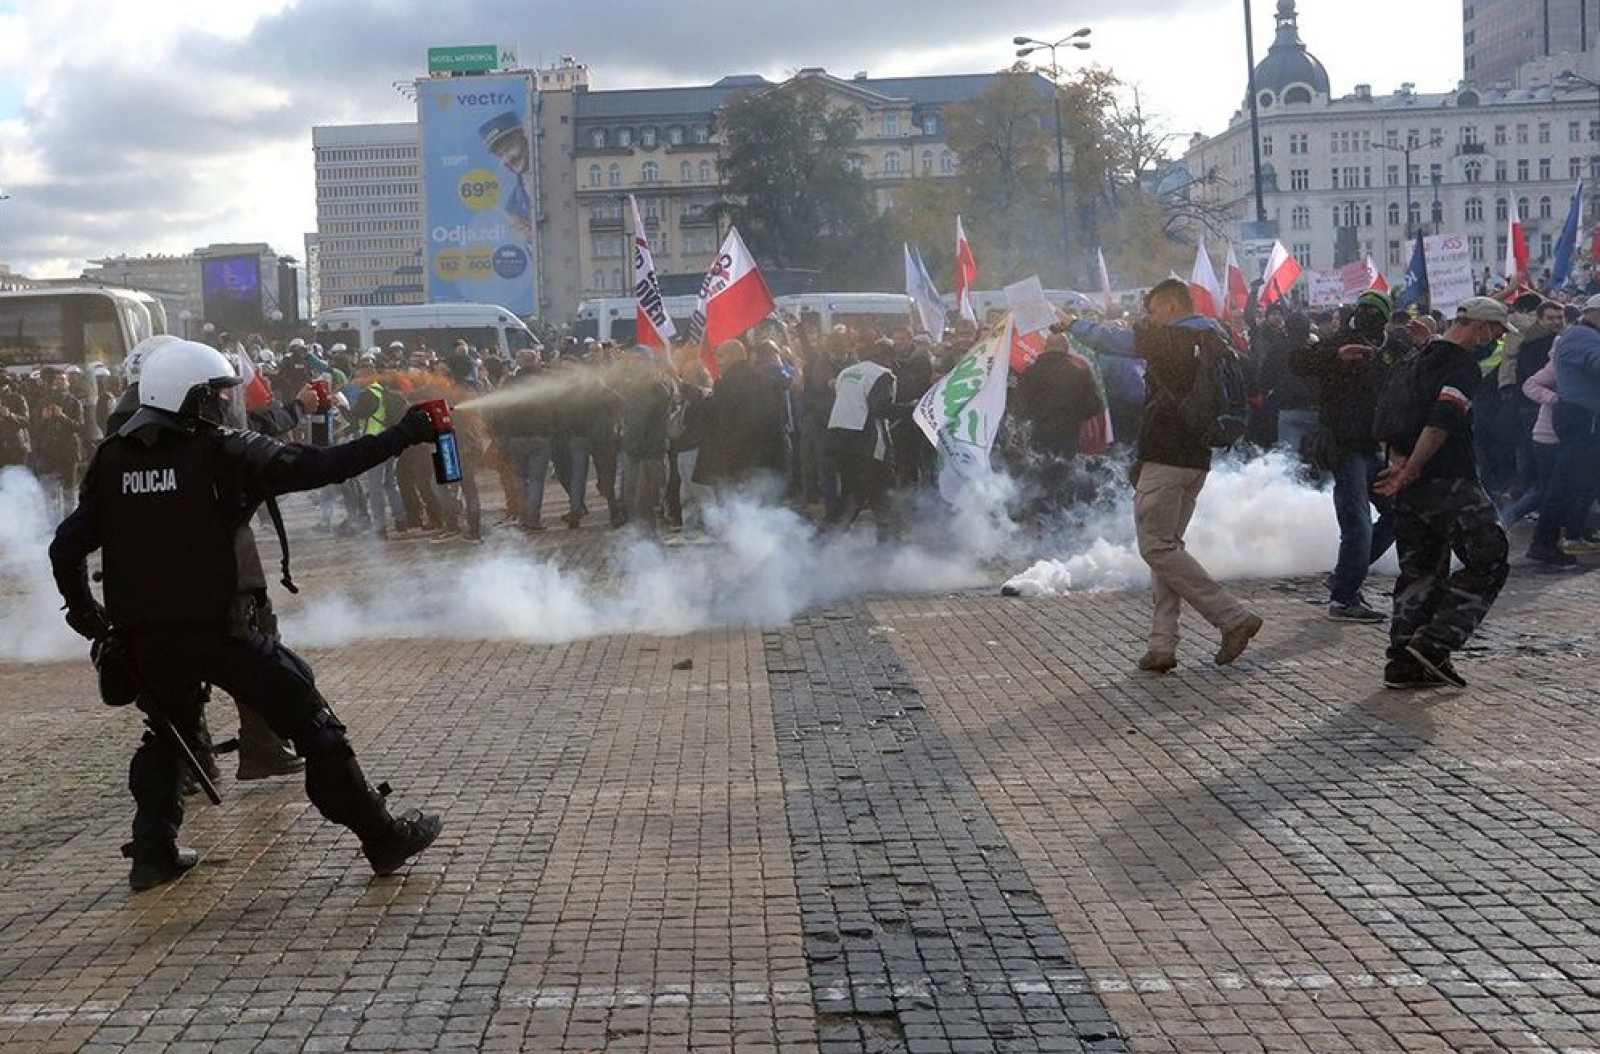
822	421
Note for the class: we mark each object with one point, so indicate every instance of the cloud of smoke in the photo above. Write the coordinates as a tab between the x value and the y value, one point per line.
757	565
31	627
1254	519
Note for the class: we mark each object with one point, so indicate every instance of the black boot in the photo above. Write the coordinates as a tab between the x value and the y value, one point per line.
262	753
156	865
409	834
339	789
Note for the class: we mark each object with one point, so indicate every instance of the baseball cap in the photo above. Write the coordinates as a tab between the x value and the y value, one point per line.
1592	304
1485	309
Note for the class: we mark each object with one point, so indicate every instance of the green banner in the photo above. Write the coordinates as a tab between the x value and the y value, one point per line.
467	58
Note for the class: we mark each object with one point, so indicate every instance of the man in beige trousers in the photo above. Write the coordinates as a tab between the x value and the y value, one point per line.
1173	461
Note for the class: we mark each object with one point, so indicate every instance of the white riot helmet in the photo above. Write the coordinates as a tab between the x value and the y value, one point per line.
141	352
187	378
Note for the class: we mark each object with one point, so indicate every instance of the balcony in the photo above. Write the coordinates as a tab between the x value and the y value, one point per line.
1464	149
605	223
697	218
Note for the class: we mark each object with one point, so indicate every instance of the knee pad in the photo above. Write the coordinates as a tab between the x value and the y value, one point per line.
322	735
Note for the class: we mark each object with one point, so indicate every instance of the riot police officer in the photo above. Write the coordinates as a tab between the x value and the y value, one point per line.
169	498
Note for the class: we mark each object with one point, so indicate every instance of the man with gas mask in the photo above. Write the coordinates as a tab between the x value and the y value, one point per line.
1350	370
168	497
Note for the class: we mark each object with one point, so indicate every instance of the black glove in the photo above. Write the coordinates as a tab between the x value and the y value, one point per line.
416	426
89	622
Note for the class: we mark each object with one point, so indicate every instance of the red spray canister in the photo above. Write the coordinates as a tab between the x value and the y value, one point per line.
446	459
322	418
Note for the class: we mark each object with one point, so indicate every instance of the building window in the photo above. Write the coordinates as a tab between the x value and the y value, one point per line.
927	162
594	175
624	136
1545	244
705	171
1391	175
1473	171
1522	170
1266	146
1499	171
1300	218
616	279
1298	143
1333	176
947	163
614	175
1545	207
1544	168
1574	167
1394	253
1475	247
647	137
650	172
1474	210
1414	214
1502	209
675	135
930	124
1523	208
891	162
702	134
1544	131
685	172
1394	214
1522	135
599	280
651	209
1574	132
597	138
1299	179
891	124
1302	253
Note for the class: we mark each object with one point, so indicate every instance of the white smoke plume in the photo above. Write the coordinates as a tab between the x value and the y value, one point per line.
757	565
1254	519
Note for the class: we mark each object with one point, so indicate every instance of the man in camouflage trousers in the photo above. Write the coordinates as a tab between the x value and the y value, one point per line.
1440	508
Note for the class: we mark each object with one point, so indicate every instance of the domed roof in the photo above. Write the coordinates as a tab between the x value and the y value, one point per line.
1288	62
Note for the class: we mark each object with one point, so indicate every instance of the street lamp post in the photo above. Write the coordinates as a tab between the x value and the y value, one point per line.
1405	152
1025	47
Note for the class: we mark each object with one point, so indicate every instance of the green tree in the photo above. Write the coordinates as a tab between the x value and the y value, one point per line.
1003	141
791	188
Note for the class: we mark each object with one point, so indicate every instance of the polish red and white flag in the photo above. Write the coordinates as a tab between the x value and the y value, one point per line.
966	274
733	298
1238	290
1203	285
1281	274
653	324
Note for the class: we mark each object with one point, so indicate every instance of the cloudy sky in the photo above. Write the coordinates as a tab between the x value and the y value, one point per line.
163	125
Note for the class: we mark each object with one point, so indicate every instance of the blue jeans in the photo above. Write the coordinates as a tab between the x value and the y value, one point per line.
1361	541
1541	470
1295	425
383	492
530	460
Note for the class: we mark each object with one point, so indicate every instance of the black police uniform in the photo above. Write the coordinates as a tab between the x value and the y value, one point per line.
169	499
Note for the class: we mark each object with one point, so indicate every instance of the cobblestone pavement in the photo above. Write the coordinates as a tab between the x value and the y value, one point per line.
948	823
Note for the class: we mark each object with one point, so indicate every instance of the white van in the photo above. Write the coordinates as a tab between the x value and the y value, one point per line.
884	312
986	302
487	327
617	317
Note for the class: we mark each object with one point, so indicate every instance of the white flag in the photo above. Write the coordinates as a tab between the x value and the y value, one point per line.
654	326
919	287
961	414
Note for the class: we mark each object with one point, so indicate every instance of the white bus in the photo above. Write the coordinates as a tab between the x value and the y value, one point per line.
616	317
487	327
74	325
884	312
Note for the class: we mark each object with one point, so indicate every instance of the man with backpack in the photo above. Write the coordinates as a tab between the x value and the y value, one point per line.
1423	418
1194	403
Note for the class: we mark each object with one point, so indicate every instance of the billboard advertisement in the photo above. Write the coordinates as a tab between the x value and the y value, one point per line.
230	291
478	190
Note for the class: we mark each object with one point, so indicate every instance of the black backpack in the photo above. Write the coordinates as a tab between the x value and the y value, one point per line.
1215	406
1403	406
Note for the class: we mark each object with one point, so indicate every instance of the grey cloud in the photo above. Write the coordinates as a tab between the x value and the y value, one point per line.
117	142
